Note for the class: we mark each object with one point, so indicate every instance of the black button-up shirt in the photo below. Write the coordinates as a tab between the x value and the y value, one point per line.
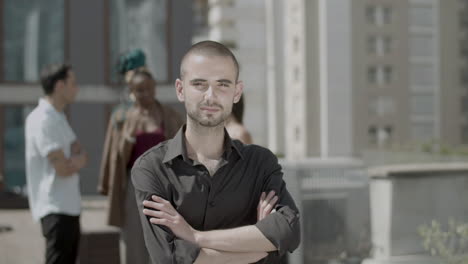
227	199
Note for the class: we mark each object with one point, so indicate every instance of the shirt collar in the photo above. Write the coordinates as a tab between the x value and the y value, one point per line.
47	106
176	147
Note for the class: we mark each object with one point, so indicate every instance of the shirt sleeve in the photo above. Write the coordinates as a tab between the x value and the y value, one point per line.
46	137
162	245
282	228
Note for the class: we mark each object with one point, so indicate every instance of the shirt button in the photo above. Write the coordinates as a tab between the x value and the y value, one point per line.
212	204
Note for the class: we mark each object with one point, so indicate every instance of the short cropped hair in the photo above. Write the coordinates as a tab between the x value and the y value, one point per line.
51	74
210	48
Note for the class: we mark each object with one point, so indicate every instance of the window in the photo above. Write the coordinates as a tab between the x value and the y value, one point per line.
33	36
200	18
464	76
464	104
464	48
13	147
387	14
421	45
379	45
372	134
388	131
380	74
388	74
383	135
464	134
372	74
422	104
387	44
382	106
422	75
421	16
422	131
140	24
372	44
379	15
371	14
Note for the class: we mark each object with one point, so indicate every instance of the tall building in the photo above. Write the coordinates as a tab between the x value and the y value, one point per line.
89	35
367	74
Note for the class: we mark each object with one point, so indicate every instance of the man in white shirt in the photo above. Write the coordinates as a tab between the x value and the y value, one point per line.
53	159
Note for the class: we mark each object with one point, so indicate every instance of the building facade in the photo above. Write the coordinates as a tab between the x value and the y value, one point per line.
89	35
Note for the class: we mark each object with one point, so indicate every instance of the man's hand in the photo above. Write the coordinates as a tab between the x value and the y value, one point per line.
79	158
266	205
165	214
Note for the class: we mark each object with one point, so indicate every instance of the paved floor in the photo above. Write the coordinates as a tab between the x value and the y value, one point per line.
21	240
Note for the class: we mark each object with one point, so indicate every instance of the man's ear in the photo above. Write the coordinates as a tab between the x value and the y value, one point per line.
179	90
238	91
59	85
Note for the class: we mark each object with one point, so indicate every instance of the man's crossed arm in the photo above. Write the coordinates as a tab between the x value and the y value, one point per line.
68	166
244	244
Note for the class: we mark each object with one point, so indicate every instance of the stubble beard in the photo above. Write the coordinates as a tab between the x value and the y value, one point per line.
197	118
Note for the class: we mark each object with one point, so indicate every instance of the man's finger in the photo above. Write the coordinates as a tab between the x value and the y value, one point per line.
267	209
159	206
158	214
167	205
262	198
162	221
271	194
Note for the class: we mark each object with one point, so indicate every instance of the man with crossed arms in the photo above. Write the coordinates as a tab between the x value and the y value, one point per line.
203	197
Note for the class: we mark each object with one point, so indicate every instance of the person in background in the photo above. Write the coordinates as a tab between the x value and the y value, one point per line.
131	131
54	157
235	126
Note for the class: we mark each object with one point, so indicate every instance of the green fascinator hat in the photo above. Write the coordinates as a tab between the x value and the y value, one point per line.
131	60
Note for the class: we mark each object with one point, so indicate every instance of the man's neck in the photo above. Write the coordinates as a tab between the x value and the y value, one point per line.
56	102
204	142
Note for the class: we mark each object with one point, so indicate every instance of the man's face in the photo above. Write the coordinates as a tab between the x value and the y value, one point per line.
69	89
209	88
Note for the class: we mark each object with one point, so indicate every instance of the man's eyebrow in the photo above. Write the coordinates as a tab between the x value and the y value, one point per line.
224	81
197	80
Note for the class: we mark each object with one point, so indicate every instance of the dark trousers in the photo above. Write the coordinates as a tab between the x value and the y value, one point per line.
62	234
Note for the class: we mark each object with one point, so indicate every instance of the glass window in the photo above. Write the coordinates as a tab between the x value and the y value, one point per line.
388	74
372	74
464	134
387	44
200	18
422	131
464	76
422	104
464	104
371	14
372	44
422	75
13	147
372	134
382	106
421	16
140	24
421	45
387	13
33	36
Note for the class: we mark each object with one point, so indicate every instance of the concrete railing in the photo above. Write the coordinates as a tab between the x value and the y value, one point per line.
404	197
333	198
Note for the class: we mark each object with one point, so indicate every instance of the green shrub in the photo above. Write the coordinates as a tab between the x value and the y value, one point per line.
451	245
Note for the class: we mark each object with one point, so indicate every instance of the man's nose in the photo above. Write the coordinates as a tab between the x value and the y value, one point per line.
210	92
